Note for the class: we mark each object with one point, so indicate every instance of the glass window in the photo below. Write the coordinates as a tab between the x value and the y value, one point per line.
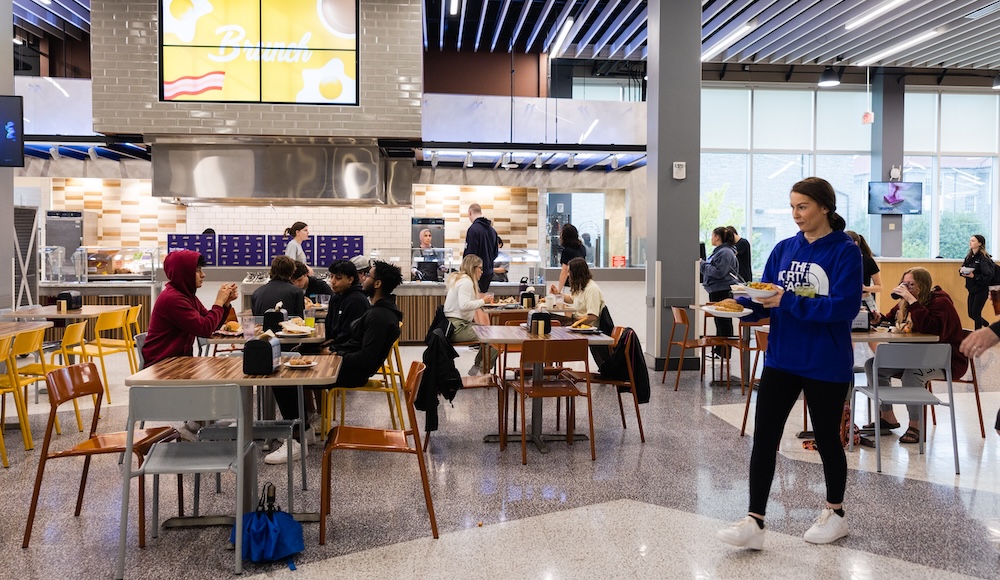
724	196
968	123
773	178
920	122
838	121
849	175
783	120
918	241
965	204
725	119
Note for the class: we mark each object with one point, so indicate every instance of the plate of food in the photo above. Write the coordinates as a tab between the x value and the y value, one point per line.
585	329
727	308
502	306
758	290
292	334
300	363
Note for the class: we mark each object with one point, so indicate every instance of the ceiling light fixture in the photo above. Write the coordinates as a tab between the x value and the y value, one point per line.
453	8
468	159
873	14
54	153
899	47
510	163
728	40
829	78
996	82
571	161
92	153
563	33
538	161
18	41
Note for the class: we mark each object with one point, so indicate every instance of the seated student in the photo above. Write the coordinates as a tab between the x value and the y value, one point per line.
367	347
461	304
309	284
924	308
584	293
349	301
279	289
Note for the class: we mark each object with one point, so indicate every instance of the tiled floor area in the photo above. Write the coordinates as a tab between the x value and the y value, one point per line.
640	511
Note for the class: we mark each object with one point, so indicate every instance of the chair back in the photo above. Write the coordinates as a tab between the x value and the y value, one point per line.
110	321
27	342
5	343
184	403
132	319
501	318
74	381
541	351
73	334
681	320
897	355
411	386
761	337
140	341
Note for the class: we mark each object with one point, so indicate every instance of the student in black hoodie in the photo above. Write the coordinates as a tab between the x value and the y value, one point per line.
482	240
369	342
349	301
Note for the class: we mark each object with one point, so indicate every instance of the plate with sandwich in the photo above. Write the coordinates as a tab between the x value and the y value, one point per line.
300	363
727	308
583	327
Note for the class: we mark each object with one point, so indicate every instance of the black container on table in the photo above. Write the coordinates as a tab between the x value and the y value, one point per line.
261	356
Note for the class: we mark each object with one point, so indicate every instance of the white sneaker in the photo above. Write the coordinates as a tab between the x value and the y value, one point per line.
475	371
280	455
829	527
744	534
311	438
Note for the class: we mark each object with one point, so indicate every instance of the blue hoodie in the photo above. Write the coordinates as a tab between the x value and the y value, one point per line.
811	337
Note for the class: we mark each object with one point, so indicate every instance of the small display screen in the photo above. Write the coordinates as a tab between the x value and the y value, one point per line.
12	119
895	197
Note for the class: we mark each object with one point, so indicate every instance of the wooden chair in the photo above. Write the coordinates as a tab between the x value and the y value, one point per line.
129	328
379	440
745	347
543	352
974	381
681	321
618	385
387	385
68	384
100	347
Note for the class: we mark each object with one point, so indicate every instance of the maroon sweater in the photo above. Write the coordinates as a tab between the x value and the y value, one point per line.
939	317
178	316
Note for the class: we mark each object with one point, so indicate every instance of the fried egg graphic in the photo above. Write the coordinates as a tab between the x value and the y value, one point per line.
180	17
327	84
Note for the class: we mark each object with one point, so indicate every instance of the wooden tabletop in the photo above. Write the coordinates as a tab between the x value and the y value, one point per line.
52	312
11	328
517	335
203	370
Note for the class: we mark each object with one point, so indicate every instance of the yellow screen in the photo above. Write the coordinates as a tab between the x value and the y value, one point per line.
273	51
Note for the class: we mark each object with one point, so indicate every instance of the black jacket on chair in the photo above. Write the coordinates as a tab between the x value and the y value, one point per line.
440	378
615	367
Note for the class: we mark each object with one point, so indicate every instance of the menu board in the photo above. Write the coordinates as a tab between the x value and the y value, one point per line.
259	51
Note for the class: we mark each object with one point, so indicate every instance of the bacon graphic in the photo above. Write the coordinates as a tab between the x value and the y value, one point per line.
193	85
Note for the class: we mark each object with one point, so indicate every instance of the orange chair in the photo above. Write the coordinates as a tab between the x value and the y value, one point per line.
681	321
558	353
392	441
761	348
597	379
100	347
68	384
745	329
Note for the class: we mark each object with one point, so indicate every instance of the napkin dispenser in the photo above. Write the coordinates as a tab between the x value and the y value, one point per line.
73	299
261	355
527	299
273	319
539	322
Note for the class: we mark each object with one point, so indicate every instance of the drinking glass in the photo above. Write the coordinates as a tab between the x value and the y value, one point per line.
310	317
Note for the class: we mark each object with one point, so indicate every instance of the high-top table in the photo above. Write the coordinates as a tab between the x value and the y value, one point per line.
517	335
206	371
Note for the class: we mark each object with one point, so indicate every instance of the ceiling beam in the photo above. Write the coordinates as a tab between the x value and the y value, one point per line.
539	22
499	26
616	26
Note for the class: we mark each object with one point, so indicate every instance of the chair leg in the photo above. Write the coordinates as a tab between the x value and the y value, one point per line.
638	416
427	492
979	405
621	408
34	498
324	495
524	433
3	450
83	485
590	417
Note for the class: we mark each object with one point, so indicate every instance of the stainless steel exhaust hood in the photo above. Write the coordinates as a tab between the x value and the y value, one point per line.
259	171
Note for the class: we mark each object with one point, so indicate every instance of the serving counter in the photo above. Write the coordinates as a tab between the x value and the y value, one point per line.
105	292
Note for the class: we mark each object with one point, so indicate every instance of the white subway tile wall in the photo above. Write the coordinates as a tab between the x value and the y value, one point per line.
125	71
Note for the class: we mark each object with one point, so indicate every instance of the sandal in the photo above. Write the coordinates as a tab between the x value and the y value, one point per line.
883	424
912	435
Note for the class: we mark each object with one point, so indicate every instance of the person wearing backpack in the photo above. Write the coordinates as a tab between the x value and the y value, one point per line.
978	270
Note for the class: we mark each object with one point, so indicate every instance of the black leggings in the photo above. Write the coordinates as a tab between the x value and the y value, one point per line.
977	300
723	326
776	394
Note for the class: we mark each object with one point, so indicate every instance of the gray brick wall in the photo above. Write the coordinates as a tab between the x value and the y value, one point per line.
124	56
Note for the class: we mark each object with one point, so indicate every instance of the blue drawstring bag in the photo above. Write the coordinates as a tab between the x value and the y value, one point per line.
270	534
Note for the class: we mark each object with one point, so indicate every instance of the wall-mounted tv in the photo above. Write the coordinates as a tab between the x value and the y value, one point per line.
895	198
12	131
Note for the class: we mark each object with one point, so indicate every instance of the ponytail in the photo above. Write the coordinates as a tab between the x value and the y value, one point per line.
836	222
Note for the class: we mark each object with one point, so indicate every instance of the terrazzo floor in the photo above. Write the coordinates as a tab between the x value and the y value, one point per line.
641	510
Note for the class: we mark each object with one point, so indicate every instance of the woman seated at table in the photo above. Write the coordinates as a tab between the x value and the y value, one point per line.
584	293
927	309
461	304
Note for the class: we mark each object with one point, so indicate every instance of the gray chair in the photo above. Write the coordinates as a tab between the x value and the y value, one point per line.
140	341
180	403
895	355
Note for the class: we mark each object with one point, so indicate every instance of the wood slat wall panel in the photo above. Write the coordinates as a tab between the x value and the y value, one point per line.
418	312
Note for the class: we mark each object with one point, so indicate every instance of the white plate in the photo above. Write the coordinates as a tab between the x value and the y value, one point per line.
965	270
284	334
591	330
725	314
308	366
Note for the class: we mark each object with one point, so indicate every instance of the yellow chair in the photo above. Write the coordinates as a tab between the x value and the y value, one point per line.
36	372
390	370
99	347
8	384
4	388
129	329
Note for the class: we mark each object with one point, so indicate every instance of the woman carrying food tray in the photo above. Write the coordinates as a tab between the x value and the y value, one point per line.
817	274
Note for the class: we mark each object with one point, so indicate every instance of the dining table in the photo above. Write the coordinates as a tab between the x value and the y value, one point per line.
515	335
52	312
187	371
15	327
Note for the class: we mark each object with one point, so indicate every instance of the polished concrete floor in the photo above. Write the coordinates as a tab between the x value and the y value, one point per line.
639	511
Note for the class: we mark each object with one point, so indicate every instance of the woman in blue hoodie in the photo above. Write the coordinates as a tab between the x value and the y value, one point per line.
818	275
718	273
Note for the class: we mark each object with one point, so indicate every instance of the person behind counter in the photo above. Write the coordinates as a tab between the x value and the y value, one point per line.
977	269
363	353
178	315
426	242
502	263
310	285
925	308
584	293
300	233
279	289
461	304
481	240
572	247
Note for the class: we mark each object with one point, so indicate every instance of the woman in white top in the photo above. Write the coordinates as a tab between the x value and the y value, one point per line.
584	292
300	233
461	304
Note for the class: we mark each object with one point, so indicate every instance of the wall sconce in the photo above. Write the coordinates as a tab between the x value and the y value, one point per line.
538	161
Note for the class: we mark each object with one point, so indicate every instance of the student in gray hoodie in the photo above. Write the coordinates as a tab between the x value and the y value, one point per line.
718	273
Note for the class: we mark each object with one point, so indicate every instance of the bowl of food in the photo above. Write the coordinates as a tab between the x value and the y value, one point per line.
758	290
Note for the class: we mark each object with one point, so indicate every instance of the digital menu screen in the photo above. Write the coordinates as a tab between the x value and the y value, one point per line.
259	51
